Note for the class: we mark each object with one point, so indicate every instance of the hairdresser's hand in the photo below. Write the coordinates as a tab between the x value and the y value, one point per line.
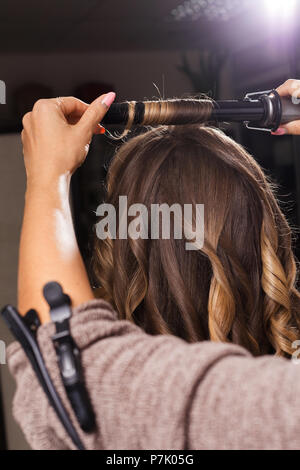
290	88
57	134
55	137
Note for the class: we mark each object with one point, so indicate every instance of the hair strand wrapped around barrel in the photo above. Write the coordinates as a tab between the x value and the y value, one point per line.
167	112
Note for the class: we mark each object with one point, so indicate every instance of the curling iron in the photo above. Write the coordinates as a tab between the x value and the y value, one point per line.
264	111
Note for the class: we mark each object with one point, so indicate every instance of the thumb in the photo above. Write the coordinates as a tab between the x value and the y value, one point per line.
95	113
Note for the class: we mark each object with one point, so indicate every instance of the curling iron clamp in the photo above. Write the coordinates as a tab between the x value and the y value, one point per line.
264	111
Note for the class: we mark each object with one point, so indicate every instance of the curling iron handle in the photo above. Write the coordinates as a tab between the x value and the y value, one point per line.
290	110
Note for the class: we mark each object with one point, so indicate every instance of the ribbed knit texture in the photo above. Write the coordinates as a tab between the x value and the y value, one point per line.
158	392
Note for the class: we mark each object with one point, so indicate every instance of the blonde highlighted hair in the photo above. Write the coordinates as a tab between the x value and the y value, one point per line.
172	111
241	285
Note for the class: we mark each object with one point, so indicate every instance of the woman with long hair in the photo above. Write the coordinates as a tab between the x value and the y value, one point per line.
240	286
167	387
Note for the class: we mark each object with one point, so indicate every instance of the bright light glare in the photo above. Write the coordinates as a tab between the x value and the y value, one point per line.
280	9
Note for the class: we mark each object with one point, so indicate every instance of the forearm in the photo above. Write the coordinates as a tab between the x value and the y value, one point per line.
48	248
55	137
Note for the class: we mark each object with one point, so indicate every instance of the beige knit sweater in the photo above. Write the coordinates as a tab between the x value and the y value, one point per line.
160	392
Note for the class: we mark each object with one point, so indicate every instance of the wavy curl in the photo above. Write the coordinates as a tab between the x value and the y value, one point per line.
241	285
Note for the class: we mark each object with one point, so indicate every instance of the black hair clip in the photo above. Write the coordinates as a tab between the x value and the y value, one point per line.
24	331
68	356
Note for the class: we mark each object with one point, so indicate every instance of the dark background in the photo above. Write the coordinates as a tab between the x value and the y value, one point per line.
142	49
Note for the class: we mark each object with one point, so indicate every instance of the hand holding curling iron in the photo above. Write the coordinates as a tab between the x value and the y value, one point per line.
290	88
57	132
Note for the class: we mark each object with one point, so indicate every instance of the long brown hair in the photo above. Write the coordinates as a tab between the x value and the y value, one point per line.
240	287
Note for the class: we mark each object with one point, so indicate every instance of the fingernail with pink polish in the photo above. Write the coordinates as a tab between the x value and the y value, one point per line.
280	131
108	98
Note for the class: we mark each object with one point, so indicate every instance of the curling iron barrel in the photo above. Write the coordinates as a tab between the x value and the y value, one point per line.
264	110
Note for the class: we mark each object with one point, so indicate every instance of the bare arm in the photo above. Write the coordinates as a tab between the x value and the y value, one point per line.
55	138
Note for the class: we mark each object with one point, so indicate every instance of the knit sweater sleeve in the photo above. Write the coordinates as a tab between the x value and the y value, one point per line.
158	392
